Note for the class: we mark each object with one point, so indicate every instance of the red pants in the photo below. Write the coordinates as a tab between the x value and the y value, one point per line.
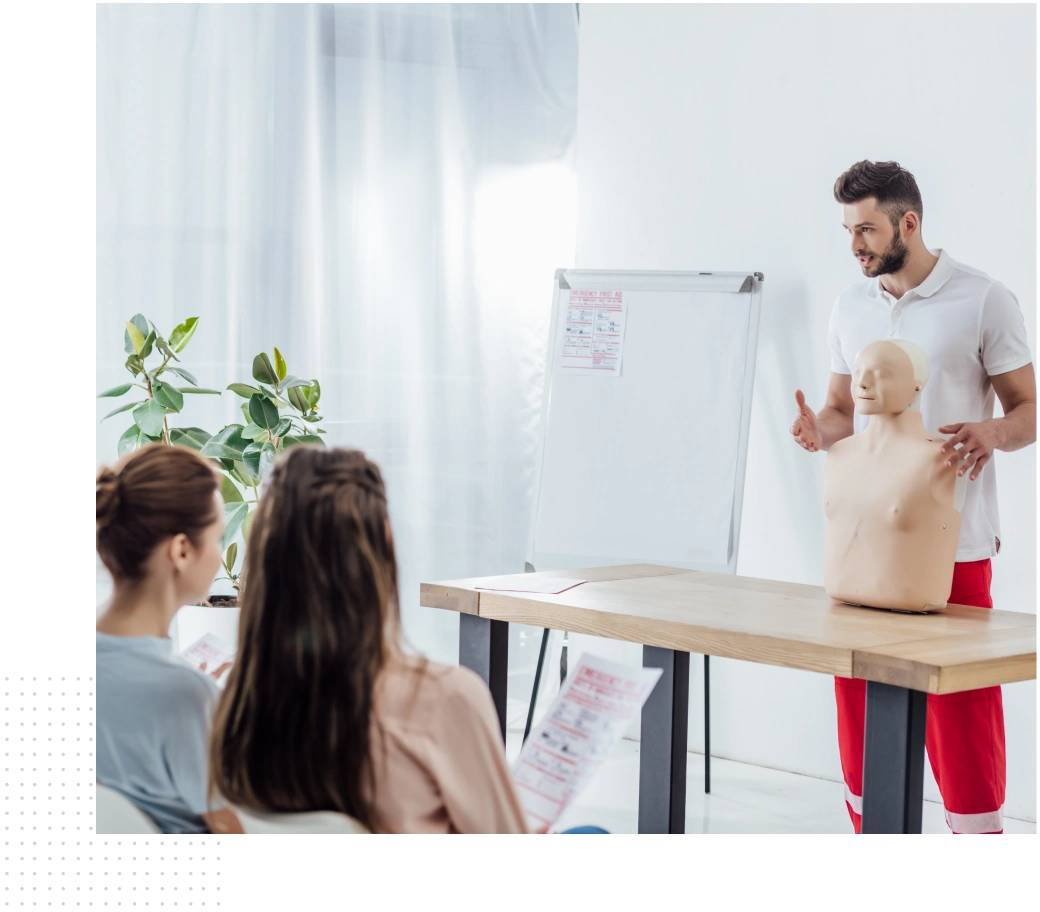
964	734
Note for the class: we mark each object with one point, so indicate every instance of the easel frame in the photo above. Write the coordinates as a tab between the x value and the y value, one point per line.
641	280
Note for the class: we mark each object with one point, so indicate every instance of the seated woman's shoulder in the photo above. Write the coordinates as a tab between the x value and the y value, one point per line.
441	682
185	682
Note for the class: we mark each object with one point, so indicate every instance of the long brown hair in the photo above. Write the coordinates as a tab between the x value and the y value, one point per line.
292	731
148	496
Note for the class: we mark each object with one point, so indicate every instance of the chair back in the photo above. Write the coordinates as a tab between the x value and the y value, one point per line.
309	822
118	814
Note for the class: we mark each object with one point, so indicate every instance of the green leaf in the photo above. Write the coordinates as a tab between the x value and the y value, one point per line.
199	391
115	391
230	556
245	412
292	382
133	438
273	396
191	437
240	473
312	418
135	365
149	416
164	347
146	349
229	490
227	443
168	396
263	412
297	439
122	408
314	393
298	398
263	370
243	390
247	525
234	515
279	364
283	428
182	334
254	432
136	338
141	325
258	458
184	375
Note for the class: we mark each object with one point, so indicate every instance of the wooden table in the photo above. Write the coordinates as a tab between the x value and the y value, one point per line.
674	612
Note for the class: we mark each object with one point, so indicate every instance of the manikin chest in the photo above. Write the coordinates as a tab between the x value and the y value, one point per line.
889	485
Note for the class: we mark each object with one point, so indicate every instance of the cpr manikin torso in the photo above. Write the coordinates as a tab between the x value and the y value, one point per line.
890	501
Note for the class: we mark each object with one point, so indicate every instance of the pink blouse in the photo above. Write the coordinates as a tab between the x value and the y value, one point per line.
438	758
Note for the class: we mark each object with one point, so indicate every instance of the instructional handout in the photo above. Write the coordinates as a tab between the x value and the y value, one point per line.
594	333
521	582
582	727
210	654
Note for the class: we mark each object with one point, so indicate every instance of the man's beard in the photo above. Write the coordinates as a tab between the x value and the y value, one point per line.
893	259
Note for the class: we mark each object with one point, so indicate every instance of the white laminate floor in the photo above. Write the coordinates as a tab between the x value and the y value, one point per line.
743	799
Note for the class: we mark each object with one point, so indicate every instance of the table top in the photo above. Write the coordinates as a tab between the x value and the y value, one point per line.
767	621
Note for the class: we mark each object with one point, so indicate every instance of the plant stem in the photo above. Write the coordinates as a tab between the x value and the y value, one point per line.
162	366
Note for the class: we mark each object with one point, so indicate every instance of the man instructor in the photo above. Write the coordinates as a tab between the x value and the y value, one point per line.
972	330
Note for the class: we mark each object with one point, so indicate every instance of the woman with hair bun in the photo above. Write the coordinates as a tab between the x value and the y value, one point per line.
159	520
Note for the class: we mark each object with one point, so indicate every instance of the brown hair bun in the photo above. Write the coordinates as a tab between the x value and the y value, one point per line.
147	497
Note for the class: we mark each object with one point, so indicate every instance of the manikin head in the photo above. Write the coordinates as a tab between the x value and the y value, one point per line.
888	377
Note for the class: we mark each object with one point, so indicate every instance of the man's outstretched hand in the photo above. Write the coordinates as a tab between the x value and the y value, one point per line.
805	429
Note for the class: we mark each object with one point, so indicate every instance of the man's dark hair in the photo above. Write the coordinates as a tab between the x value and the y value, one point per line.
893	187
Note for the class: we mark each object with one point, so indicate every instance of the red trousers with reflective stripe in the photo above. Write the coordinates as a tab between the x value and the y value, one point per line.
964	735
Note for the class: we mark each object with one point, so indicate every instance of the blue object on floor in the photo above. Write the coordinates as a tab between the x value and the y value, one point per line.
587	829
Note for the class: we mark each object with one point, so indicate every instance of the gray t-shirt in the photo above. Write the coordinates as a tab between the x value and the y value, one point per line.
153	724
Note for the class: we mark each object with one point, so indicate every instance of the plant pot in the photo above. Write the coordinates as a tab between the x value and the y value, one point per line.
217	614
219	601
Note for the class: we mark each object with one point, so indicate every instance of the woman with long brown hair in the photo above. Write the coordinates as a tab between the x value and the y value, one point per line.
323	710
159	520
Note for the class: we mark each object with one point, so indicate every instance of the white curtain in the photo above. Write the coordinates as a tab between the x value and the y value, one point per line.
383	192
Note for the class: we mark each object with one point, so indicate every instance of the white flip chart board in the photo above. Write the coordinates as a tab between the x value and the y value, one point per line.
642	453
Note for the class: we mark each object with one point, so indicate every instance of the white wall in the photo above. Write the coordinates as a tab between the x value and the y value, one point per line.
709	137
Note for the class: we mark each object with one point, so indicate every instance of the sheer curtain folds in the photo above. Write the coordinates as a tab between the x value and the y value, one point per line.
383	192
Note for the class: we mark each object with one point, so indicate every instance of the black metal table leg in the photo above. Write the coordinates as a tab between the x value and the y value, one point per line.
707	728
537	683
893	759
662	744
484	647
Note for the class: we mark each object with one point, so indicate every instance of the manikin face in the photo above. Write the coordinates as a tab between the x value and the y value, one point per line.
883	380
879	248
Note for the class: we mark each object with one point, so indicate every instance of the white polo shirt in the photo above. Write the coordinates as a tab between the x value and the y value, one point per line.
971	328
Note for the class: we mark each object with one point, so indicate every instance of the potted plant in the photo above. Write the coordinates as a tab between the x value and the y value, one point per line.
280	411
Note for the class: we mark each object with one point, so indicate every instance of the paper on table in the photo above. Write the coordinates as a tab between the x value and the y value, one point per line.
547	585
582	727
594	332
209	654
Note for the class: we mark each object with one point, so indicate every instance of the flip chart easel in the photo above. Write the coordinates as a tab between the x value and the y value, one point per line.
645	463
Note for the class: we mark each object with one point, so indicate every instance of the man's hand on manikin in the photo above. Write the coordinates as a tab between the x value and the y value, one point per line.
971	445
805	429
